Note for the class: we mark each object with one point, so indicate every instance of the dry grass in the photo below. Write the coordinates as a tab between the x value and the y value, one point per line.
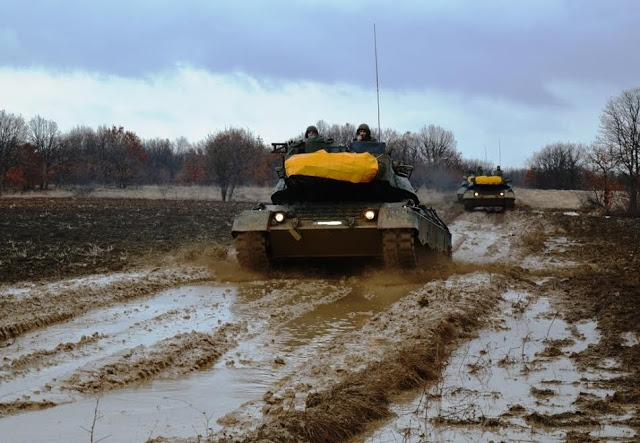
154	192
549	198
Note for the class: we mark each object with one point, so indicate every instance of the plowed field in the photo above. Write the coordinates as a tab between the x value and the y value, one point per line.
128	320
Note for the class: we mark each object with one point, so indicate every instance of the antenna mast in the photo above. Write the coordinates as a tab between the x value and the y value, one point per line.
375	49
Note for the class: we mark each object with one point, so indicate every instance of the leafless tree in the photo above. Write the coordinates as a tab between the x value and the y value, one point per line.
601	165
341	134
82	158
620	132
13	132
232	156
558	166
438	147
182	145
439	155
44	135
162	165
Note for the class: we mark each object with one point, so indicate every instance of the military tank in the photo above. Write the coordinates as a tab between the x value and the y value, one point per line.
339	201
464	186
491	192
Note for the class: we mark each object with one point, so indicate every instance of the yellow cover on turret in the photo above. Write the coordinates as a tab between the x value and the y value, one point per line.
345	166
488	180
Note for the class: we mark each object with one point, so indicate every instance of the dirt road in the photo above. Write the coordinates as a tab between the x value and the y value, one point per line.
531	333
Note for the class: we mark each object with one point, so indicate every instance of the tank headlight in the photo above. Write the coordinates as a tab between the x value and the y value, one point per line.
279	217
502	194
369	214
477	194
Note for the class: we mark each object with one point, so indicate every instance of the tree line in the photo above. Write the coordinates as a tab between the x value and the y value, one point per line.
36	154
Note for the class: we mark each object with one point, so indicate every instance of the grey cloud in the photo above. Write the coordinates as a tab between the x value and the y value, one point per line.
470	51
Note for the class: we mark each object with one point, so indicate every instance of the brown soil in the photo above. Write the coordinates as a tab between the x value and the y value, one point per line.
60	237
344	388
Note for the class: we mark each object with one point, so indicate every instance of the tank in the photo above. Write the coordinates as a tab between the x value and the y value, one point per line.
461	190
490	192
339	201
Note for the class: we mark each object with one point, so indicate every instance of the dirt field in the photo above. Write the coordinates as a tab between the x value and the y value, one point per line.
128	320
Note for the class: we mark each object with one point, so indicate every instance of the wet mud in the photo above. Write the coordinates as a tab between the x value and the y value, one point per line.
531	332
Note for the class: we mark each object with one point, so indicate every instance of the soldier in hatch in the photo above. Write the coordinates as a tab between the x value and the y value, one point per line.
363	134
498	171
311	133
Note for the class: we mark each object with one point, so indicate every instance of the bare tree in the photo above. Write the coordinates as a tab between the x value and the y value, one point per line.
600	175
82	156
440	157
558	166
13	133
44	135
162	165
620	132
231	157
182	145
438	147
341	134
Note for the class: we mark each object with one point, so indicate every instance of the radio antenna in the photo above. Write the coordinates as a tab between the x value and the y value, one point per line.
375	50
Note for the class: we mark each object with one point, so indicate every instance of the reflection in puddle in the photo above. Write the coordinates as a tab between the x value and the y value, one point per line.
170	407
191	405
505	375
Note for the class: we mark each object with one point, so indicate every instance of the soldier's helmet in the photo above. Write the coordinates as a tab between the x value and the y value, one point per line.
310	129
366	128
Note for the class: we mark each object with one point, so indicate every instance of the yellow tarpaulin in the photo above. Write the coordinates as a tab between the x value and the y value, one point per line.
345	166
488	180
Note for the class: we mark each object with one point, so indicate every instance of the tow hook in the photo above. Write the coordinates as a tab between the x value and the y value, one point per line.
293	231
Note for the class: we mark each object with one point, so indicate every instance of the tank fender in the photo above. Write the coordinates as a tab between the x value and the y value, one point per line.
431	231
397	216
251	220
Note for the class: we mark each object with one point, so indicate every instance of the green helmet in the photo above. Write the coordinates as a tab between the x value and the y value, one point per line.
364	127
309	129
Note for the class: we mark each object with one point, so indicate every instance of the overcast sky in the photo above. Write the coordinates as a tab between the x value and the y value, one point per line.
506	77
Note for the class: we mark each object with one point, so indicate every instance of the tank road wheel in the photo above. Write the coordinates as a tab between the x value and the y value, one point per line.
468	206
251	248
398	248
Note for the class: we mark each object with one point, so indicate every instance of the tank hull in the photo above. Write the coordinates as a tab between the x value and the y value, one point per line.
489	197
396	233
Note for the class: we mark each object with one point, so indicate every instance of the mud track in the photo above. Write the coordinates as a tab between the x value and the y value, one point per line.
130	320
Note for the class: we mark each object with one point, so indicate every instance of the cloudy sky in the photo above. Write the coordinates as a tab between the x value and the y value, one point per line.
506	77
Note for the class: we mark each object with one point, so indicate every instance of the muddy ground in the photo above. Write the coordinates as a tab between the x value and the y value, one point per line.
129	320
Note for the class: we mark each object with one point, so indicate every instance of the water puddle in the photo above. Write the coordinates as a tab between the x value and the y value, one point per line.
141	322
92	281
191	405
506	377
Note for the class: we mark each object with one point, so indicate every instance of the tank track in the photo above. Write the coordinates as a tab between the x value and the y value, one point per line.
398	248
252	250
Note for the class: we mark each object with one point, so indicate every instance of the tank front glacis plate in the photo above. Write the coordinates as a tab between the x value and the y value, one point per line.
487	197
325	231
